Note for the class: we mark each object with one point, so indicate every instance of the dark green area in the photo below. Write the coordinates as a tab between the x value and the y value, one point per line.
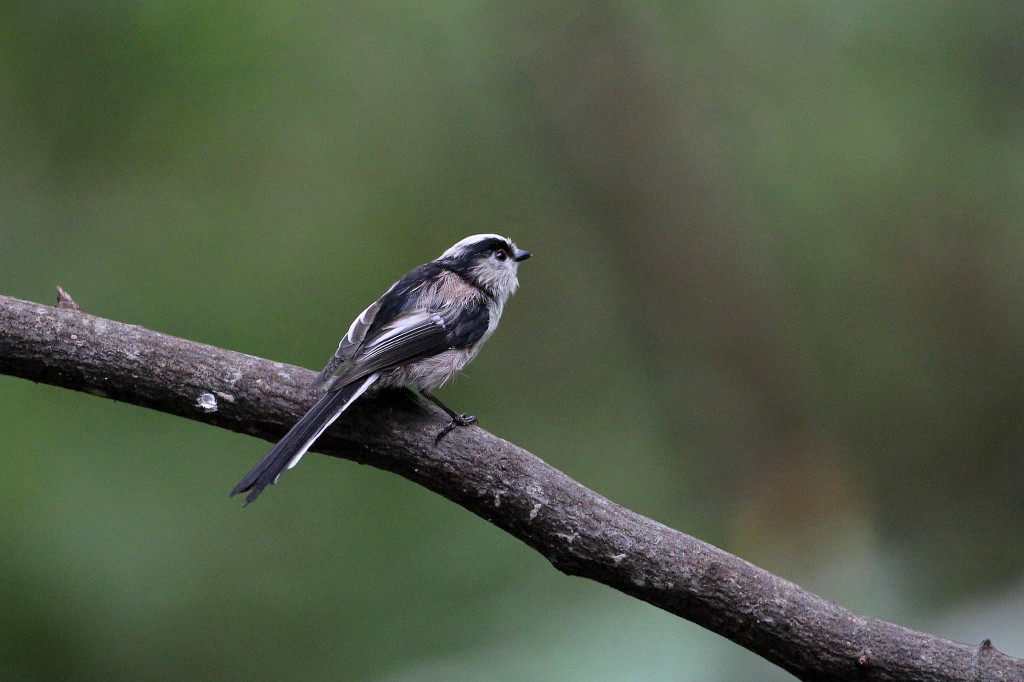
776	302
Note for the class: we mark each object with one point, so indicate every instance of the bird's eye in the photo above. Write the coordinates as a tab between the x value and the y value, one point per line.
500	254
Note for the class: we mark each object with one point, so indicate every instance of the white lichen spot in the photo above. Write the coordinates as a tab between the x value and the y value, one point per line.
534	511
207	402
617	558
226	397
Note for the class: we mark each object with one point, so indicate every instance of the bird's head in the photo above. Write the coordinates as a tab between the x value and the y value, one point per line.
489	261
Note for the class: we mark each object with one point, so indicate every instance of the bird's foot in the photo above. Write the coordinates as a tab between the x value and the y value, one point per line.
457	420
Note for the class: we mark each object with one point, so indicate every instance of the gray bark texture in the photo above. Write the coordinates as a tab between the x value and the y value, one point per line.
580	532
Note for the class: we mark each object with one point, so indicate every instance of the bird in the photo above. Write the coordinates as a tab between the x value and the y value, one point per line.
418	334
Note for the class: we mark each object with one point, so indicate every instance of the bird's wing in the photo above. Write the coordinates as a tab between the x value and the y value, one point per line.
349	345
407	323
415	335
391	304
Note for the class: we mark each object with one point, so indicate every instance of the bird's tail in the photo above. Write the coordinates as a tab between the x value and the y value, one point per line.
290	449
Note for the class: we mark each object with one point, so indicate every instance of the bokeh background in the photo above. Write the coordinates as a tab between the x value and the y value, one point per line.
776	302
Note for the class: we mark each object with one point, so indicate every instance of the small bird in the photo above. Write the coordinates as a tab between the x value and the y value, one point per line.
420	333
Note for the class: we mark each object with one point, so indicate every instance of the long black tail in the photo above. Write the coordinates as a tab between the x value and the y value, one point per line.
290	449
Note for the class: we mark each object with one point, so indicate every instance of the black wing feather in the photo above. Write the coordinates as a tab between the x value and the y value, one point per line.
434	335
399	300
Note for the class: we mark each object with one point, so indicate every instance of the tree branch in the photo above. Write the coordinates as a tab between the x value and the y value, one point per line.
577	530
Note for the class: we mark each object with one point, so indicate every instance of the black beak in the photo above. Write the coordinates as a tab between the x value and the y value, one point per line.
521	255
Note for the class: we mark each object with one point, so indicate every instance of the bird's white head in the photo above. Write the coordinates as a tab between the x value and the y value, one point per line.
489	261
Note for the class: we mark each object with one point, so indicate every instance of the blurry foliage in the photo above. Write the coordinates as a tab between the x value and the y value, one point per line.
775	303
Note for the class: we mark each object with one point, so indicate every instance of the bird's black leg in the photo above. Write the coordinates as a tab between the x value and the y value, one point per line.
457	419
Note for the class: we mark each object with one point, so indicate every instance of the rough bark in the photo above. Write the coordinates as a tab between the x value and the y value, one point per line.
580	532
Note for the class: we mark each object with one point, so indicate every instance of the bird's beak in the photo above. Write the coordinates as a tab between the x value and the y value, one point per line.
520	255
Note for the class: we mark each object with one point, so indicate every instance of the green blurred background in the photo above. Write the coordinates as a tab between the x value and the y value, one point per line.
776	302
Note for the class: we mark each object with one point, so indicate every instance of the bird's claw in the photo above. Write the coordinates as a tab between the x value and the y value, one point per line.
457	420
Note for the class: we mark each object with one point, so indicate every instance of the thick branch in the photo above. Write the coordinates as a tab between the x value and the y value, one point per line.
580	532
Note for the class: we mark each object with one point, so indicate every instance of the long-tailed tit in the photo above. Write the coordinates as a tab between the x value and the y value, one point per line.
420	333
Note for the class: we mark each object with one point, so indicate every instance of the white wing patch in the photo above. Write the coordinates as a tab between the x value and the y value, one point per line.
357	330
